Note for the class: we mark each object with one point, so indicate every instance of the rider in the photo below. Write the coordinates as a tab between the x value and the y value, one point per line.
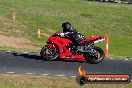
74	35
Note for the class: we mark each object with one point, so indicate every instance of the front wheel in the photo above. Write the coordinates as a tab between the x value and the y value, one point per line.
49	53
96	56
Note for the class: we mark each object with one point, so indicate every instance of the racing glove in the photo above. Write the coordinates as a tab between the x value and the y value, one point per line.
56	34
62	34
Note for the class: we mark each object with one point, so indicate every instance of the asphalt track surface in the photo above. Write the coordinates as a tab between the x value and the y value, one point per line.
32	64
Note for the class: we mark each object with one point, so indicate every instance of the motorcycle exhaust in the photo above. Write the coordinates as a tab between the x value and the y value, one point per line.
98	41
94	42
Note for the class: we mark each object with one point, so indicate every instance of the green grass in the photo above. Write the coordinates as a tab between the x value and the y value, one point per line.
16	81
90	18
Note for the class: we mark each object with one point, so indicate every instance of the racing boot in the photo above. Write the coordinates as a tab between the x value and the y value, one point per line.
83	47
80	47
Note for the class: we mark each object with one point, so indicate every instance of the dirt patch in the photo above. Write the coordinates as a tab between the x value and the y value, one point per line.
4	19
13	28
15	42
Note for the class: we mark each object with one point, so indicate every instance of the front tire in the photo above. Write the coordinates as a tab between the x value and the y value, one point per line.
95	57
49	53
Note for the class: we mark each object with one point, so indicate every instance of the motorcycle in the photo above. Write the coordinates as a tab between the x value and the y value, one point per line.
62	48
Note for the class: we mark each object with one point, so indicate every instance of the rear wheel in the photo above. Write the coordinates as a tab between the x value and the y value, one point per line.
49	53
96	56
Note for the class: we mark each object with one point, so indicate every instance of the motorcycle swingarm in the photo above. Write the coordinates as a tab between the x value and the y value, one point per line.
87	51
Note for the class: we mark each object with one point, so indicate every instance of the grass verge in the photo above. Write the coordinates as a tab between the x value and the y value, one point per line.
16	81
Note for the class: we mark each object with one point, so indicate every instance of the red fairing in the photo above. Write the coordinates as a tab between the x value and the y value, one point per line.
91	38
61	43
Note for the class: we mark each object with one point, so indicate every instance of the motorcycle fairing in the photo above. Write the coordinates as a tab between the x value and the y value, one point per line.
92	38
65	53
61	43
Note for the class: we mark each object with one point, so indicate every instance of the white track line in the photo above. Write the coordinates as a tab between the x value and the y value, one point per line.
10	72
30	73
126	59
112	58
25	52
44	74
8	51
60	75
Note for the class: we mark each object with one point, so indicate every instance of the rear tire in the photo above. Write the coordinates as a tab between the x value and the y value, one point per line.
96	57
49	53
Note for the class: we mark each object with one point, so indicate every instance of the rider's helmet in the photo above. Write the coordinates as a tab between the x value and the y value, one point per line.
66	26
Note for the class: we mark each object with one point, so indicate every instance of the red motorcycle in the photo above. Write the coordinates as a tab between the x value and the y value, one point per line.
63	48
